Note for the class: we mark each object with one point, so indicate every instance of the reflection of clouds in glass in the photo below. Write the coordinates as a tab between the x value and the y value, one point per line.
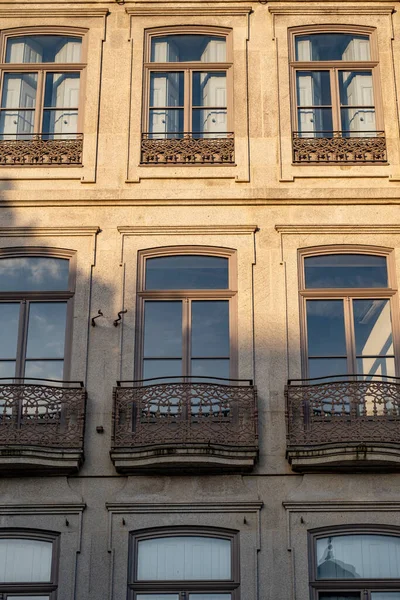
31	273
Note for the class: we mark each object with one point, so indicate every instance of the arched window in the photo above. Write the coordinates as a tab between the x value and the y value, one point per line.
188	92
28	564
186	313
36	290
348	312
355	563
41	85
195	564
336	92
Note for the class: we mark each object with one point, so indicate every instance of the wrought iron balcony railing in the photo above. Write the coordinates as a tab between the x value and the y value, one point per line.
42	418
339	147
187	148
41	149
342	412
186	421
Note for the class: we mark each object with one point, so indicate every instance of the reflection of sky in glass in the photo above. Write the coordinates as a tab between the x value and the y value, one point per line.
345	271
325	328
163	329
186	272
33	274
9	317
358	556
46	329
46	369
210	328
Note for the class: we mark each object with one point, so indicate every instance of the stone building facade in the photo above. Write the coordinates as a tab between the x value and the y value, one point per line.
207	193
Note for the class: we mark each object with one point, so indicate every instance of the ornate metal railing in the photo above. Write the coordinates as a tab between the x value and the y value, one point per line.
339	147
41	149
187	148
42	412
176	414
343	411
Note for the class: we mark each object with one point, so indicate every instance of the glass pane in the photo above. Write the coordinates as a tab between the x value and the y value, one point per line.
181	48
208	367
209	89
166	123
163	329
46	329
339	596
325	328
209	596
184	558
210	328
25	561
313	88
162	368
166	89
157	596
358	122
16	124
62	90
43	48
315	122
186	272
358	556
356	88
209	123
33	274
7	368
373	327
325	367
346	271
60	124
9	319
376	366
332	46
385	595
44	369
19	90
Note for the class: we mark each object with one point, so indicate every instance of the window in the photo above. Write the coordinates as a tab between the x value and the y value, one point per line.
336	92
28	565
186	310
355	564
36	292
188	78
347	297
176	564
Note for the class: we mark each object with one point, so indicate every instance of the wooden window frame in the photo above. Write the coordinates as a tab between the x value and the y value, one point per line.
335	586
229	294
53	296
334	67
183	588
7	590
187	68
347	294
41	69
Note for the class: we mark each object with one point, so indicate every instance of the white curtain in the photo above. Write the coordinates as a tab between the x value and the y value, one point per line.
184	558
65	93
25	561
215	51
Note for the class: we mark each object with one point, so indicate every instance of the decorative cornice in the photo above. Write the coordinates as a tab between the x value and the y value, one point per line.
195	11
331	10
337	506
189	230
47	231
34	13
42	509
183	507
338	229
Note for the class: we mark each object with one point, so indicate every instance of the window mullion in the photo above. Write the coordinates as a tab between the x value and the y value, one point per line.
187	111
186	336
350	336
22	335
37	128
337	125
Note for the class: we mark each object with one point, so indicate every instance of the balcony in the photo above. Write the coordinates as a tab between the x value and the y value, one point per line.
188	149
343	424
41	426
174	424
339	147
41	150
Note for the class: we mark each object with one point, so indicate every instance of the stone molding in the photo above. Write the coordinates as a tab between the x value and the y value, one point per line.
47	231
42	509
180	507
339	506
34	13
338	229
331	10
189	230
195	11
